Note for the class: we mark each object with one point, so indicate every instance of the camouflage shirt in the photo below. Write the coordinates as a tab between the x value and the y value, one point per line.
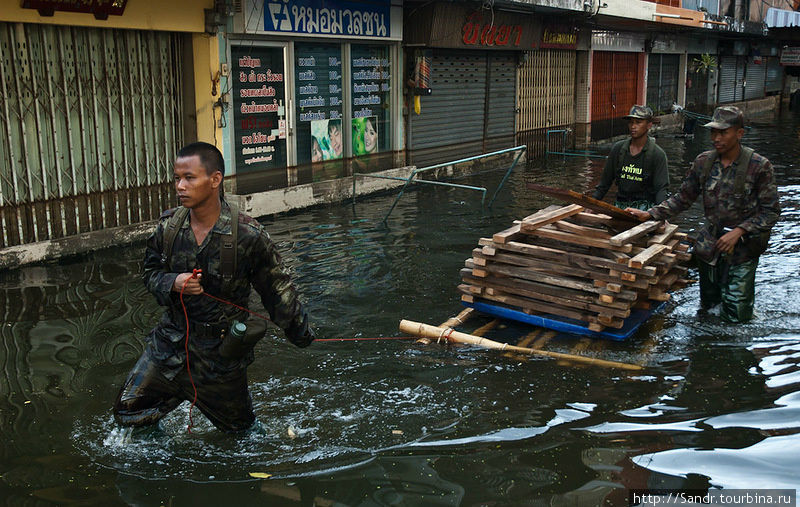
756	212
258	264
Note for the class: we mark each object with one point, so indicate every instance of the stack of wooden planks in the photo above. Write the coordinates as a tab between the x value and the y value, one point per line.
567	262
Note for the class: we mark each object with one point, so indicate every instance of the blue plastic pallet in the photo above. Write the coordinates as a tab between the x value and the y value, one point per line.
566	325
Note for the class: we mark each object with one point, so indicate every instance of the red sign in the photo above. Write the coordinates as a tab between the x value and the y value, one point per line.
559	37
100	8
476	31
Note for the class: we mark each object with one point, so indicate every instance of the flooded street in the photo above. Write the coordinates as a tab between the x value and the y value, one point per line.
393	422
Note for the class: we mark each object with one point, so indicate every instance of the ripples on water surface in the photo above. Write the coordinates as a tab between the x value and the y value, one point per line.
393	422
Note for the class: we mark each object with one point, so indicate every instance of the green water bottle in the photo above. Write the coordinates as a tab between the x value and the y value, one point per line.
233	343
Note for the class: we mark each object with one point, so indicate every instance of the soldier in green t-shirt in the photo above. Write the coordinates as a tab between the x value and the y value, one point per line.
637	165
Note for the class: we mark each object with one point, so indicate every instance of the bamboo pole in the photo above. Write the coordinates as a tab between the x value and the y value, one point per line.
435	332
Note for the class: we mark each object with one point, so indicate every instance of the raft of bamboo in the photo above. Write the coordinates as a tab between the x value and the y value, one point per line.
564	262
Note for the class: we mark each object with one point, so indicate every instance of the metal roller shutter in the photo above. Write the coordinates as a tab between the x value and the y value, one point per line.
471	108
501	102
615	84
453	113
727	79
756	76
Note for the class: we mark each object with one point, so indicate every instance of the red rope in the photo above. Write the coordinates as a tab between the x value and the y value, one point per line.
186	348
363	339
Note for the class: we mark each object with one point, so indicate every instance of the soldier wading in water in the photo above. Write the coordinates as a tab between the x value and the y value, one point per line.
233	252
740	199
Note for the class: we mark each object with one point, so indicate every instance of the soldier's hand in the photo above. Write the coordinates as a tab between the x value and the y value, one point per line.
727	242
192	281
642	215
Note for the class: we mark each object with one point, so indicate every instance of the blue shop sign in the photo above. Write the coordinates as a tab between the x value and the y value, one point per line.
328	17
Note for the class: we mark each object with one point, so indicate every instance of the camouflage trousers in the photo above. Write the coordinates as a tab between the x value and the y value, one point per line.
733	285
147	396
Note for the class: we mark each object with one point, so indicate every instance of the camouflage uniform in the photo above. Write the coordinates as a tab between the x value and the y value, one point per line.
159	381
728	279
642	180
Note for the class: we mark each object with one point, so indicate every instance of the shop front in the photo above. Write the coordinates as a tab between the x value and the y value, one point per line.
462	69
314	91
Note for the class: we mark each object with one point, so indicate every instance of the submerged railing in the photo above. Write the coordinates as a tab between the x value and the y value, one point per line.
564	151
521	149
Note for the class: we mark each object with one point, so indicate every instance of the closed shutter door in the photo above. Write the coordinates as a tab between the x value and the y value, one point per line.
756	76
615	83
453	113
471	107
774	79
727	79
501	102
91	122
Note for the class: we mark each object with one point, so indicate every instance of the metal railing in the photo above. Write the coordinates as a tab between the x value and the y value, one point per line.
564	151
408	181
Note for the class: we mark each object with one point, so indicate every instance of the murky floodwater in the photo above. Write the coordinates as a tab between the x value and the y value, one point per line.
396	423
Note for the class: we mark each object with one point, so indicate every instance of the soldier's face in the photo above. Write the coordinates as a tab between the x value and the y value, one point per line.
193	184
638	127
727	139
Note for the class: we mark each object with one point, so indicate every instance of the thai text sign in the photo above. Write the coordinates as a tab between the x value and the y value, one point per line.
559	37
100	8
328	17
790	56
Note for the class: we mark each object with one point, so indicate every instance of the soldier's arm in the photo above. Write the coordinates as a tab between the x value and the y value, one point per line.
768	206
688	193
271	280
155	277
660	178
609	173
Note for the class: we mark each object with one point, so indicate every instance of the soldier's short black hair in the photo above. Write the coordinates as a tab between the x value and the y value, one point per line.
210	156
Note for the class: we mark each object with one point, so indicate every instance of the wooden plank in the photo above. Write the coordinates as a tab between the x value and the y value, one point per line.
586	201
647	255
507	235
537	276
634	233
559	269
500	286
520	286
581	229
618	257
663	237
539	220
552	233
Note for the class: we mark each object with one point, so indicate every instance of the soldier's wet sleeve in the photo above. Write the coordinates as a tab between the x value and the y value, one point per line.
660	178
768	206
688	193
271	280
155	278
609	173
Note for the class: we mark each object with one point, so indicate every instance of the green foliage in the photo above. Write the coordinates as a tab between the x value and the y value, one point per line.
705	64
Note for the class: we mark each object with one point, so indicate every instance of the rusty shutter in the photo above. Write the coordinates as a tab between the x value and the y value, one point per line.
615	83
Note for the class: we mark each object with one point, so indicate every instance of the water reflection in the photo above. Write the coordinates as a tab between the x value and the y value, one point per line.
397	422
